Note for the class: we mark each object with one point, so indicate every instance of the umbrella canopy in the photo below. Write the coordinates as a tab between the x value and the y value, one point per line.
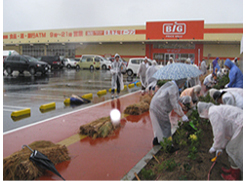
42	161
177	71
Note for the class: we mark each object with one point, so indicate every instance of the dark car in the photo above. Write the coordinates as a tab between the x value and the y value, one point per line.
54	61
23	63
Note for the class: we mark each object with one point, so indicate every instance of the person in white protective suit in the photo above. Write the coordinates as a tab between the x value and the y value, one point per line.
142	73
163	102
150	81
117	78
232	89
229	97
193	92
203	67
227	125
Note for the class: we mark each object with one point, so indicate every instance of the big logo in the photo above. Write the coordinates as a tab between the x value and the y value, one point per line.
174	28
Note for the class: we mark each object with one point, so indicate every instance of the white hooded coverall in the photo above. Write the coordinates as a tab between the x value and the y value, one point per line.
227	125
164	101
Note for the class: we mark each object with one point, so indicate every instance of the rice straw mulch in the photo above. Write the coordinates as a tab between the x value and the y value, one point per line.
18	166
140	107
99	128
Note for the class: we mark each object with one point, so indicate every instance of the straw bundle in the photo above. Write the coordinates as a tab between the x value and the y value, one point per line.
202	77
18	166
99	128
139	108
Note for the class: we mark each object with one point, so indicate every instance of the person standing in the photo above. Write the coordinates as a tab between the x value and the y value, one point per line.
170	61
150	81
216	65
235	75
203	67
142	73
227	125
163	102
117	77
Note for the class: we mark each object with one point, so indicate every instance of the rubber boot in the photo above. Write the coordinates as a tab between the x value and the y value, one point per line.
235	174
226	170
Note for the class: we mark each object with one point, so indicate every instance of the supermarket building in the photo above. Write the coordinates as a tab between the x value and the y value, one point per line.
158	40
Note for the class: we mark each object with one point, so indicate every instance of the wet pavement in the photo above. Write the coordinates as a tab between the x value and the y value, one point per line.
91	159
26	91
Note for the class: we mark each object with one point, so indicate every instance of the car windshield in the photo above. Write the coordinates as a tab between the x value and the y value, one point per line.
71	59
31	59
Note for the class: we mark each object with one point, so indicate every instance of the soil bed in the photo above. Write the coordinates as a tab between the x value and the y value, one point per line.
180	166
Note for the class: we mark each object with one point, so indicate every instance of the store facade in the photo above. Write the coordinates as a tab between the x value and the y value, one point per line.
156	40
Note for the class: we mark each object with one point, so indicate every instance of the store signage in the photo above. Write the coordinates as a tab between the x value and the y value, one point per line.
53	34
110	32
175	30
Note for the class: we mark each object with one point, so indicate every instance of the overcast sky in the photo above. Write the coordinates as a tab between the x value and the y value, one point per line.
28	15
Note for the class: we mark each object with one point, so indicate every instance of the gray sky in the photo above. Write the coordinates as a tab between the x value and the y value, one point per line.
28	15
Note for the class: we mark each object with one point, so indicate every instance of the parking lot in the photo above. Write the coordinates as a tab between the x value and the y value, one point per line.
26	91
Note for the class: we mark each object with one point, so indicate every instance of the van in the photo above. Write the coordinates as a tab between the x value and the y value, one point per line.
54	61
89	62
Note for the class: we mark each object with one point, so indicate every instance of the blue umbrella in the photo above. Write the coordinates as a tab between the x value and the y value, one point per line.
177	71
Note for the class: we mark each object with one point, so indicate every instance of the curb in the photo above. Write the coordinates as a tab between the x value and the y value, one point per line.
141	164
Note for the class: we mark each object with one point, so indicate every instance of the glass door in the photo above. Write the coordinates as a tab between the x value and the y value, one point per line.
168	56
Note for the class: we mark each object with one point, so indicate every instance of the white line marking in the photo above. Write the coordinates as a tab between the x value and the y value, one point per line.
7	132
11	110
14	107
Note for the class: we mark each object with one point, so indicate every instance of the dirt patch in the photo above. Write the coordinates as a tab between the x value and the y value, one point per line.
181	166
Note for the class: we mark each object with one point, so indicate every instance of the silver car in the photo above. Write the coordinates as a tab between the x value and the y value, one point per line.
70	63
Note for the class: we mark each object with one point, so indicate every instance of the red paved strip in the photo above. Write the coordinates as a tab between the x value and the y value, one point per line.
105	158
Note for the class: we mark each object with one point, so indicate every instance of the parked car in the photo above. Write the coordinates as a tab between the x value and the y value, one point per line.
69	63
54	61
23	63
89	62
105	63
133	65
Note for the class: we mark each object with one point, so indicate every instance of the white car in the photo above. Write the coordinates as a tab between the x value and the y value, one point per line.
133	65
69	63
105	63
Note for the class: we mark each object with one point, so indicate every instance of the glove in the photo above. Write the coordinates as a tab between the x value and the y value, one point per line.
218	152
212	150
185	118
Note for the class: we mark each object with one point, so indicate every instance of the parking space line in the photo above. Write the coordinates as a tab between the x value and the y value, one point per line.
17	107
11	110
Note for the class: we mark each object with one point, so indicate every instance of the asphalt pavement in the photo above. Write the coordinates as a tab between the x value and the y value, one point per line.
26	91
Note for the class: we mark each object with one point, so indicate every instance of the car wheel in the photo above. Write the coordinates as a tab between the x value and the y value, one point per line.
129	72
77	67
104	67
9	70
91	67
32	71
68	66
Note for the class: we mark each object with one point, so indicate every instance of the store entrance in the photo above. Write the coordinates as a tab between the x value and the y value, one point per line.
167	56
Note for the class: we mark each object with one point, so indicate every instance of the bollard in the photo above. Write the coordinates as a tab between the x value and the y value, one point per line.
45	107
87	96
21	112
102	92
67	101
138	84
131	85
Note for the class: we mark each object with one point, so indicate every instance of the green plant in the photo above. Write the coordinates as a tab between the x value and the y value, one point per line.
161	82
166	143
187	167
192	153
169	165
147	174
221	82
183	177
